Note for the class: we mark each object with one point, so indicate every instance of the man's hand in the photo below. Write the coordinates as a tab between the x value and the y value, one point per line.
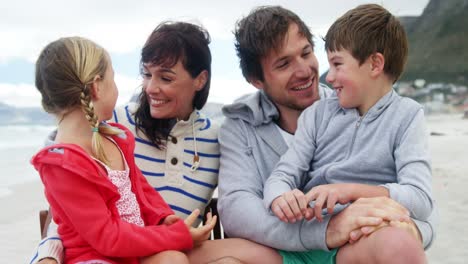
201	233
327	195
410	227
363	212
47	261
355	235
291	206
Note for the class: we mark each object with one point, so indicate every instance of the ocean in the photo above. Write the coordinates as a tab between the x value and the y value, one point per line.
17	145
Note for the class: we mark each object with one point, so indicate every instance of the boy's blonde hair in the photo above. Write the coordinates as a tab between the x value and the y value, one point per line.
65	70
368	29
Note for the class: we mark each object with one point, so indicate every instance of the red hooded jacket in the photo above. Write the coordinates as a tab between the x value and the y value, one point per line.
83	200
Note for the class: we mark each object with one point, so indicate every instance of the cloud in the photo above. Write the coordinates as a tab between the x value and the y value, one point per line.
19	95
127	86
122	26
226	90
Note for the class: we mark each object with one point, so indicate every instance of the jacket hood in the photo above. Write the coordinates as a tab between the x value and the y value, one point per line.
72	158
258	109
255	109
50	140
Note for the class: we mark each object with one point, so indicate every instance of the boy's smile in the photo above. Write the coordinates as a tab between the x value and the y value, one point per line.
349	79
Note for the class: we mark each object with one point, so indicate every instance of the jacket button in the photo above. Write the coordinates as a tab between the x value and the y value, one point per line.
174	161
174	140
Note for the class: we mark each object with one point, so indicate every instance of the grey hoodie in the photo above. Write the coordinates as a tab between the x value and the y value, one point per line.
251	146
387	146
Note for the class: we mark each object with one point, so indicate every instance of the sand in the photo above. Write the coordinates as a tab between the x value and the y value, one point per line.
19	224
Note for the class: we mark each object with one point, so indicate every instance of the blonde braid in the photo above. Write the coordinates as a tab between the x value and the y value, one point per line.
88	109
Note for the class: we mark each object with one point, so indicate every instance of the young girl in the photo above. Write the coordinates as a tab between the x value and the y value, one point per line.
105	210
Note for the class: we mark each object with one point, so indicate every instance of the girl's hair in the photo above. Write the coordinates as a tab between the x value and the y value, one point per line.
167	44
65	70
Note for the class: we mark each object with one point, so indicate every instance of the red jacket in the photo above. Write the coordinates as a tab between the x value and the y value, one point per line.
83	200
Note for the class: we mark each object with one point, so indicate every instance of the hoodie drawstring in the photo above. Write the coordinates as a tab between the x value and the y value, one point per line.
196	158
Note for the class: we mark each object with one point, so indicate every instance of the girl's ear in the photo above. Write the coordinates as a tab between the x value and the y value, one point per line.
201	80
95	88
377	62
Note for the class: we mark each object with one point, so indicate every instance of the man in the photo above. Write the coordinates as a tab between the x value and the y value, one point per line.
276	54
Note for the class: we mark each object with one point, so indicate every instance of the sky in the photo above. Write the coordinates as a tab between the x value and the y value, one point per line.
122	27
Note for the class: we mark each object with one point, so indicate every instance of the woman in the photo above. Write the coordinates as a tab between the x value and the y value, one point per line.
176	146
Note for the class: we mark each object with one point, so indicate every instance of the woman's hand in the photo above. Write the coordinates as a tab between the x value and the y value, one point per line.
201	233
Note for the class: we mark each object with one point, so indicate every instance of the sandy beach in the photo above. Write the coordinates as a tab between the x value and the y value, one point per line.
19	224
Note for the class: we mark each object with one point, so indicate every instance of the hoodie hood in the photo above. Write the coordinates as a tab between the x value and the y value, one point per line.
257	109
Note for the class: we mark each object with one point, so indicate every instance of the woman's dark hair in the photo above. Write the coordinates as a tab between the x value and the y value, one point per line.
169	43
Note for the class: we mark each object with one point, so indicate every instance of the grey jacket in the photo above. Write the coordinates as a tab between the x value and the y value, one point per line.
251	146
388	146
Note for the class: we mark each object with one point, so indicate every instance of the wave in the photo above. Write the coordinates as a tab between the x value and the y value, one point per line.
23	136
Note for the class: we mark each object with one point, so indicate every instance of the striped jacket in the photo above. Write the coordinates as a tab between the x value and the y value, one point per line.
169	170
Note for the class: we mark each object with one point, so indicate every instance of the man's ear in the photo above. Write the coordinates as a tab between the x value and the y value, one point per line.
256	83
94	88
377	62
201	80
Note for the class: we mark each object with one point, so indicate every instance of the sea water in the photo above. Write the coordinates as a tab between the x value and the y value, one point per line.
17	145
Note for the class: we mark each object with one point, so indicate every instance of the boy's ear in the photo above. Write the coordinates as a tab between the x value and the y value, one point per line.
377	62
94	88
256	83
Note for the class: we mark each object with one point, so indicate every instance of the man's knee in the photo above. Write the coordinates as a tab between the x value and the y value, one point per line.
169	257
396	245
226	260
386	245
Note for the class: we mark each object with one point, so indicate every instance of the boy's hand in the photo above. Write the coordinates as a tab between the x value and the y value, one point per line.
328	195
201	233
290	207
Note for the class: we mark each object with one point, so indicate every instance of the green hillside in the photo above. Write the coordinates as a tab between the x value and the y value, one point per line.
439	43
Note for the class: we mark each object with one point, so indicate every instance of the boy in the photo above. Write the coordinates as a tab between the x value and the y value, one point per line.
365	142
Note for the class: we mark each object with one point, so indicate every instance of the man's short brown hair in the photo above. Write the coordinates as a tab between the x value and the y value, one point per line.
259	32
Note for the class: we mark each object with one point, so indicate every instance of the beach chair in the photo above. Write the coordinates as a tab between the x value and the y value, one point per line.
217	233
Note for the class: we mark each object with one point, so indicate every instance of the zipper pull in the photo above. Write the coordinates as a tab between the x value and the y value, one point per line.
358	122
